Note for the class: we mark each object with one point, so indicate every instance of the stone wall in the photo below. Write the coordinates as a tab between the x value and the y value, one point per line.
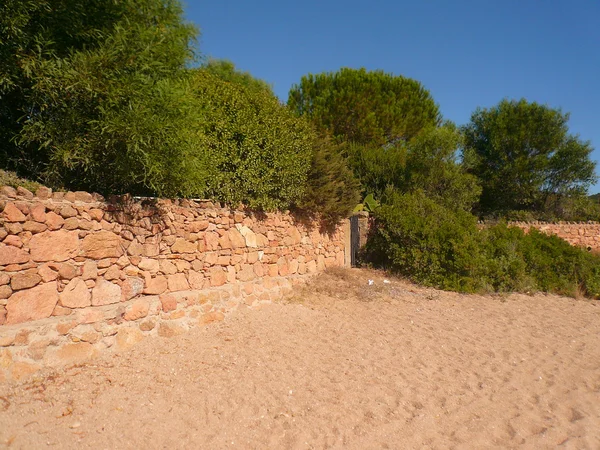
79	275
586	235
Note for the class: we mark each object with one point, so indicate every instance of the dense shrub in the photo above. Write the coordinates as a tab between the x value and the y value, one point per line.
332	191
433	245
94	94
426	242
377	167
559	267
259	152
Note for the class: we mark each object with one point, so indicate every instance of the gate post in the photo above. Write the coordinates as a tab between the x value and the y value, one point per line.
357	229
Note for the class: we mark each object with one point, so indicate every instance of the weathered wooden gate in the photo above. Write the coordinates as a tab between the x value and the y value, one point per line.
354	240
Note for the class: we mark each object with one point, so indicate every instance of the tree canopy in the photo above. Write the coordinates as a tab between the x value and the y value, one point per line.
525	157
93	93
428	162
374	108
226	71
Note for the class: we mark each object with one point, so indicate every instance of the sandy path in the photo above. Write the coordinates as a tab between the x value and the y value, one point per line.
351	366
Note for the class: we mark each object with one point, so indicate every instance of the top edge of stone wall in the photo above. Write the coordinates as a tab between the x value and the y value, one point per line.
539	222
47	194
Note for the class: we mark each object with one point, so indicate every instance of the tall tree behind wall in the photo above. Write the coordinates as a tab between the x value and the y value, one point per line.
374	108
525	157
94	94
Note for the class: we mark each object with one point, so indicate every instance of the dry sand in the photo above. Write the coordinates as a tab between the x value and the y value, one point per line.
341	365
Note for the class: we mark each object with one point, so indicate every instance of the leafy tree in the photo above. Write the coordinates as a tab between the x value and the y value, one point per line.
524	156
373	108
432	166
427	163
378	168
226	71
95	94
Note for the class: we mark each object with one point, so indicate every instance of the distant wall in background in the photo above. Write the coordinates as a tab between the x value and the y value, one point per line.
585	235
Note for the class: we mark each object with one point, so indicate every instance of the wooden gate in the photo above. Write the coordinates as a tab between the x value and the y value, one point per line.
354	240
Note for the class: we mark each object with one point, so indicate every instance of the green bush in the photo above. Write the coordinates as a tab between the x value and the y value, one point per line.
420	239
559	267
94	95
435	246
332	191
428	162
259	153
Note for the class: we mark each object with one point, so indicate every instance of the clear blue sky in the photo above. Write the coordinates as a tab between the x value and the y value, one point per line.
468	53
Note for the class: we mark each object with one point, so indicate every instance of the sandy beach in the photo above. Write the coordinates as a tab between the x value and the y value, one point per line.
340	365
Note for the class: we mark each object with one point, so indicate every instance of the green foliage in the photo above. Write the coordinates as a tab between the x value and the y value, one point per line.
259	152
369	204
432	166
416	237
105	103
97	96
331	188
436	246
427	162
523	155
226	71
378	168
561	268
372	108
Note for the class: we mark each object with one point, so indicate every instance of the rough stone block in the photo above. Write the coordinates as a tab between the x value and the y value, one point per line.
168	302
103	244
12	255
32	304
131	287
137	310
13	214
54	246
75	294
105	293
156	285
25	280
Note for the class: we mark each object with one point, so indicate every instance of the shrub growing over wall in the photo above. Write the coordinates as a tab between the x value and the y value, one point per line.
259	152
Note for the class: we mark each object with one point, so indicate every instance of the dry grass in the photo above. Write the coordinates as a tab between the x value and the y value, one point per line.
339	284
12	179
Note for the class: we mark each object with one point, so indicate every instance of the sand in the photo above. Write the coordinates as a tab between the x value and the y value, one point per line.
340	365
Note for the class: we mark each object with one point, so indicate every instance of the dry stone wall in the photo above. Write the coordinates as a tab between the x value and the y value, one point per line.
79	275
586	235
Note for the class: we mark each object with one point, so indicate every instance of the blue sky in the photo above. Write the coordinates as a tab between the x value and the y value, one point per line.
468	53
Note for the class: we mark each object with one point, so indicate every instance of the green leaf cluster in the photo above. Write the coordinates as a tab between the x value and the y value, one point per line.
226	71
95	95
99	96
332	190
428	162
